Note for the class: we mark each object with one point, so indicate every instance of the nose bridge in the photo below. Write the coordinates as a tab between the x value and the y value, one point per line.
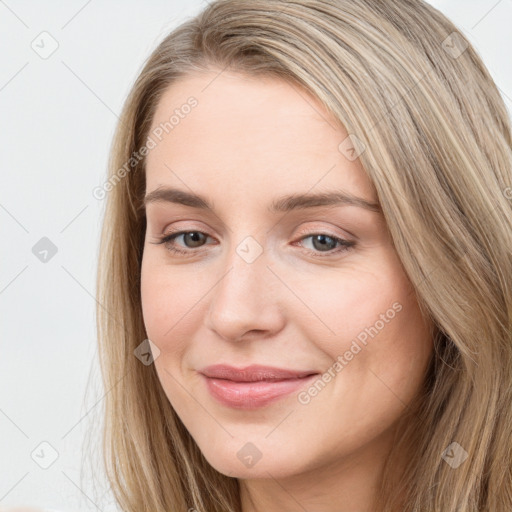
244	281
246	264
244	298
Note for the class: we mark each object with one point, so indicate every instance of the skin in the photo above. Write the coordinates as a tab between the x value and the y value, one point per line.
249	141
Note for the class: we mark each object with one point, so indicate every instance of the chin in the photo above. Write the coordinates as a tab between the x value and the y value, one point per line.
245	460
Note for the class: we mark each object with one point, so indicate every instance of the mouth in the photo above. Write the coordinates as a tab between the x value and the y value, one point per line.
254	373
253	387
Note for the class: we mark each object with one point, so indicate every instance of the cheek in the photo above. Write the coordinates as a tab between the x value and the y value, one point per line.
155	302
344	304
379	353
167	304
369	316
174	305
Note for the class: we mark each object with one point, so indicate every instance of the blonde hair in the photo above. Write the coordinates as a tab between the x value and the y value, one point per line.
437	147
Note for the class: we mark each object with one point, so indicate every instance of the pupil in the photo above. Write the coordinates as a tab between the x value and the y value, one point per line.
321	238
195	236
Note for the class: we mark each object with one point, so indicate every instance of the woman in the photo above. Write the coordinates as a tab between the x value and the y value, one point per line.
305	276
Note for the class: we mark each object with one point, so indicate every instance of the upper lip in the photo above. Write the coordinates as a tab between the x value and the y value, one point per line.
252	373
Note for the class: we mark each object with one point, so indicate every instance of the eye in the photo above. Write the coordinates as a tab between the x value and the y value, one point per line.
324	244
195	238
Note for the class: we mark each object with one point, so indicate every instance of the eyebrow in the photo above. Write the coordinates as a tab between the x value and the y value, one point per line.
281	204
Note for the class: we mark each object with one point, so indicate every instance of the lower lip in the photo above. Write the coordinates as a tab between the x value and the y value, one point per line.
252	395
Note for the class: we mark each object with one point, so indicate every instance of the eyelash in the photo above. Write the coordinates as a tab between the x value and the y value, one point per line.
345	244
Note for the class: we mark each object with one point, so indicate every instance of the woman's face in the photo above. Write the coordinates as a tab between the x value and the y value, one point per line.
311	286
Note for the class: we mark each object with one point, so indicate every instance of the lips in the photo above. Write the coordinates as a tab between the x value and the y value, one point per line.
254	386
253	373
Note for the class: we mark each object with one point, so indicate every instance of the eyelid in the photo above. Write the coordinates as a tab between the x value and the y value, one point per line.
324	231
302	231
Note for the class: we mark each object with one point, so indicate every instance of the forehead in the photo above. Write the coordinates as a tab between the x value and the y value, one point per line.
259	134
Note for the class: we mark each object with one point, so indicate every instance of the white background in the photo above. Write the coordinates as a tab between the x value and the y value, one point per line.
57	117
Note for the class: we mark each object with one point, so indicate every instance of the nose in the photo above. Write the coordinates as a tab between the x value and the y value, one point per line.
246	302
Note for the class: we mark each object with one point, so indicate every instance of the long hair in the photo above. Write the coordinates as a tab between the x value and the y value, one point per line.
434	137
